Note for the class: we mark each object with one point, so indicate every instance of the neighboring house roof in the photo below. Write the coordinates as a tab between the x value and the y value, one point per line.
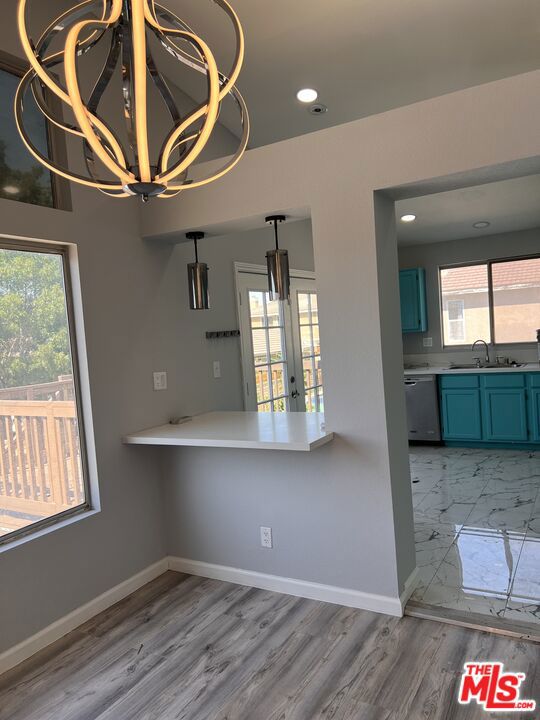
518	273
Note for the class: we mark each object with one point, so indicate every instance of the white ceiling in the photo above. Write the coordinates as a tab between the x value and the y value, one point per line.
508	205
364	56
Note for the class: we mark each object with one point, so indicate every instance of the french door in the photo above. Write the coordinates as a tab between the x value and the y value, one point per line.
281	356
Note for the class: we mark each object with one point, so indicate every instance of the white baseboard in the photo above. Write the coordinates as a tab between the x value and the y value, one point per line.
410	586
290	586
66	624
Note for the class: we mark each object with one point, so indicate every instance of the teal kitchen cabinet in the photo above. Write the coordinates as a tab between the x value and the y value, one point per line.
533	386
412	290
461	407
504	408
489	408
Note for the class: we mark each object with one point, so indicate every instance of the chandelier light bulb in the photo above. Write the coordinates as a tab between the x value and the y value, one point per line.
123	28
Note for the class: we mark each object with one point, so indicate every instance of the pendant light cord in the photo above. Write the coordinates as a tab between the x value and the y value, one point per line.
276	232
196	251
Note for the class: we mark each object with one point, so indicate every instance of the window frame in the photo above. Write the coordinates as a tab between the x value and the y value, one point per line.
56	142
64	252
489	264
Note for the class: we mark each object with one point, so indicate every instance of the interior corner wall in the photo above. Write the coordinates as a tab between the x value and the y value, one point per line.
431	256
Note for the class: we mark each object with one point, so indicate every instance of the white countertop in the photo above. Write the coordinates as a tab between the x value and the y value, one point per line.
251	430
439	370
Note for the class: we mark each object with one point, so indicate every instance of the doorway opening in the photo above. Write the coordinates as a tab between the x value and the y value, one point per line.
469	267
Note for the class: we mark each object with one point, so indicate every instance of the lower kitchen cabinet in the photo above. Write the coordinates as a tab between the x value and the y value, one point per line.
491	407
461	414
533	385
505	414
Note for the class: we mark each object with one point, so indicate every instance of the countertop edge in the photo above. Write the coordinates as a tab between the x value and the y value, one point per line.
295	446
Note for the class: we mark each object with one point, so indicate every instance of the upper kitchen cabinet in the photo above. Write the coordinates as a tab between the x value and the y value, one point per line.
412	289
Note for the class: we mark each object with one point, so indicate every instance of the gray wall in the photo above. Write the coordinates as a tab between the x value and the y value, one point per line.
191	354
431	256
45	577
343	514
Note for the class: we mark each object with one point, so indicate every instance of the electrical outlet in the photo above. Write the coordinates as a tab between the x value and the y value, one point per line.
427	342
217	369
160	380
266	537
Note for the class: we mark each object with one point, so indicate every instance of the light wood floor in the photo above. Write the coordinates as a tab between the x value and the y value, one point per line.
185	648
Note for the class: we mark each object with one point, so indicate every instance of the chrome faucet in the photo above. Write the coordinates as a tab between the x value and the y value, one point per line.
487	349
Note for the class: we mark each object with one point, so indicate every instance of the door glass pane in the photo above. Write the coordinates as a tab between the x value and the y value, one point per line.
21	176
256	308
465	304
303	308
262	381
273	311
516	300
260	346
308	320
308	372
275	341
41	469
278	380
305	339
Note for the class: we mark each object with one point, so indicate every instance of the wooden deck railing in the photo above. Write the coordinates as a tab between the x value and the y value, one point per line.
40	464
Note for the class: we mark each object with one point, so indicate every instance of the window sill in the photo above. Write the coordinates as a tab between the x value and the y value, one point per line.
53	527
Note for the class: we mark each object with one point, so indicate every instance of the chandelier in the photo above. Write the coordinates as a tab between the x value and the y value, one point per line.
124	29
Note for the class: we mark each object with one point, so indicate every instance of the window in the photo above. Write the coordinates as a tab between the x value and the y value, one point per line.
516	300
22	177
42	461
465	304
497	301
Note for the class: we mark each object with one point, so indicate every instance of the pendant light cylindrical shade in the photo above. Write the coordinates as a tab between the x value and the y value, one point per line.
199	298
277	261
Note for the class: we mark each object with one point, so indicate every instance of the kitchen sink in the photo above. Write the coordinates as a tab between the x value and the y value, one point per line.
487	366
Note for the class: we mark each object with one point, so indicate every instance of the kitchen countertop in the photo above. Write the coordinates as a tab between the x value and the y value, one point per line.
446	370
250	430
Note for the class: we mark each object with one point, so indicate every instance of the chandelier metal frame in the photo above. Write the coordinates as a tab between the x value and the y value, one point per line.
126	23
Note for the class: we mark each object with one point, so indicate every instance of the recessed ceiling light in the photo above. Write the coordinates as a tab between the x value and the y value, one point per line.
481	224
11	189
409	217
307	95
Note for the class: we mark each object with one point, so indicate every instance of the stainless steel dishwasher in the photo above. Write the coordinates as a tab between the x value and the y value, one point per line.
422	398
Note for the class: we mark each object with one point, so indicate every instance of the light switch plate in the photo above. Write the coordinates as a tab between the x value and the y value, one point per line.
427	342
160	380
217	369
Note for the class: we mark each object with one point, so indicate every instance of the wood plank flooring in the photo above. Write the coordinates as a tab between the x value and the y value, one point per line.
186	648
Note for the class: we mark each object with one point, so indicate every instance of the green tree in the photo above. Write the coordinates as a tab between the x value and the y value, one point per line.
34	338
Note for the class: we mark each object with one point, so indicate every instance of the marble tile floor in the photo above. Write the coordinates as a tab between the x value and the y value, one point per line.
477	530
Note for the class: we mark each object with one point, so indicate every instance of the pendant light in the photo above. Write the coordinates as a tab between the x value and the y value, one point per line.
125	33
277	260
197	277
